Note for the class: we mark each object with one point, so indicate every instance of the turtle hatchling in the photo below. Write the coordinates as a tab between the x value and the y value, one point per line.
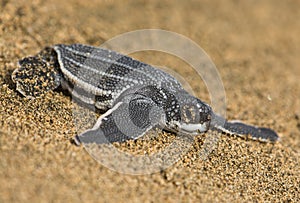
135	97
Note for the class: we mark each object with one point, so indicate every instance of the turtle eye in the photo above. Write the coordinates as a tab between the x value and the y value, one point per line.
189	114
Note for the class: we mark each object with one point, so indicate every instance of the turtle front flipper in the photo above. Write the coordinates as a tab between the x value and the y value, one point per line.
37	74
255	133
127	120
243	130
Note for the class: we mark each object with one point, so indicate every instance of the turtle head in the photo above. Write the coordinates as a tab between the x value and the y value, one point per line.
37	74
195	117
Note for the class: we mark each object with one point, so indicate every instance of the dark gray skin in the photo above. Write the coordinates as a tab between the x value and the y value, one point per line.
136	96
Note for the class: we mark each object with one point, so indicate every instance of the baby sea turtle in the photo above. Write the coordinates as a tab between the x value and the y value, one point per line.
135	95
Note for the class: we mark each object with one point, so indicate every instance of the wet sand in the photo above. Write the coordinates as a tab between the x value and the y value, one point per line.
255	46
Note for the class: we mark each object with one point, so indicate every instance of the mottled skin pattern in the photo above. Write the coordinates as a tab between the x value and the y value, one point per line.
135	95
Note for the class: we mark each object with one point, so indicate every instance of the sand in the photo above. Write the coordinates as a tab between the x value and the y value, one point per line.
255	46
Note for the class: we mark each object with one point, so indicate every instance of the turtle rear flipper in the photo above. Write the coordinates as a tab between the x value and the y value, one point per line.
38	74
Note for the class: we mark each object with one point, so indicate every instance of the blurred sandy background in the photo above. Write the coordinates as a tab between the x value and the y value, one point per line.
255	46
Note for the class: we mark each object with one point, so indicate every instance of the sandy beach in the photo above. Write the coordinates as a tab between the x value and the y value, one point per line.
255	47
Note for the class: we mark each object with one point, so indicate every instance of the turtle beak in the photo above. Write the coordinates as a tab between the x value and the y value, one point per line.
194	128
